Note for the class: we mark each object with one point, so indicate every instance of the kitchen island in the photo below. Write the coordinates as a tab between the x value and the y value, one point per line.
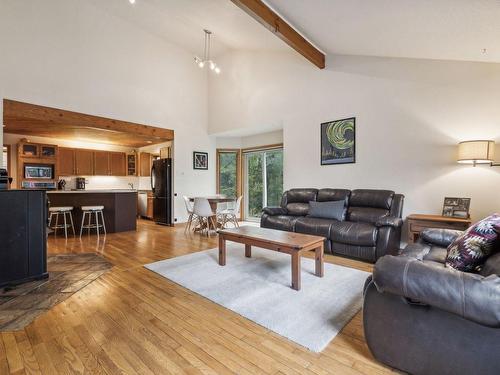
120	206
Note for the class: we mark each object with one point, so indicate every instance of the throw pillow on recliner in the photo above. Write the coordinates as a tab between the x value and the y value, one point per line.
470	250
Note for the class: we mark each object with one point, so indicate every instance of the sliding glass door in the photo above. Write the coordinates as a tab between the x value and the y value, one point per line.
263	176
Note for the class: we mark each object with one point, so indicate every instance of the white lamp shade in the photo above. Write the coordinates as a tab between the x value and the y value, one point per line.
476	152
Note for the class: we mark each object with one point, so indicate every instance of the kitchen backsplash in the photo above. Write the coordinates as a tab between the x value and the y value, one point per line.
110	182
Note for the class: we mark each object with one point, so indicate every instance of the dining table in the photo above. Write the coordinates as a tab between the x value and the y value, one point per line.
214	200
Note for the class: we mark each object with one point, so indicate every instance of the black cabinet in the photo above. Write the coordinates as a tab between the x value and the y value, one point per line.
23	236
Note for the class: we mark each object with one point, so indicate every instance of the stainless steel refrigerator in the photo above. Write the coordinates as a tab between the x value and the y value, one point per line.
161	184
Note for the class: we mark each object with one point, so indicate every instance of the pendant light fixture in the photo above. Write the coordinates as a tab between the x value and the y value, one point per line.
206	60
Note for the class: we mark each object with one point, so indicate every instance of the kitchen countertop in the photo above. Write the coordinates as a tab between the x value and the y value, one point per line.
95	191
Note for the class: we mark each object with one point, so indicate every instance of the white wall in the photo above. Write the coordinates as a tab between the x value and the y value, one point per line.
410	114
68	54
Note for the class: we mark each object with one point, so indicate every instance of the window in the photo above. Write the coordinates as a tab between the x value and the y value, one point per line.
228	176
263	175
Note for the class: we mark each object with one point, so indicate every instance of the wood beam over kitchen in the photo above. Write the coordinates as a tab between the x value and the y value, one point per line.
272	21
35	120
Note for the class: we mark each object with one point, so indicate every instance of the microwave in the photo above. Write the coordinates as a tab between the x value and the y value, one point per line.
44	172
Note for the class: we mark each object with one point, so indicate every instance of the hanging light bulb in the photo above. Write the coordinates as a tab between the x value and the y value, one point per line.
206	55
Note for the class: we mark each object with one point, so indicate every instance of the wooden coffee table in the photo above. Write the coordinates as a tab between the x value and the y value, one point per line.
291	243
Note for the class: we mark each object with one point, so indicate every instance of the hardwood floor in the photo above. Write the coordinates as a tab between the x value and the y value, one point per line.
133	321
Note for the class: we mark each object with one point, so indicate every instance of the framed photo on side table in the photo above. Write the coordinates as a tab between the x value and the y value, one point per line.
200	160
456	207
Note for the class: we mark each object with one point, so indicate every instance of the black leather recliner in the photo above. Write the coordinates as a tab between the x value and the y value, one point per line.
424	318
371	229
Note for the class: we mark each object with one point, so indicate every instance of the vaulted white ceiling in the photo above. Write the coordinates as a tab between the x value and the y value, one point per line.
428	29
183	21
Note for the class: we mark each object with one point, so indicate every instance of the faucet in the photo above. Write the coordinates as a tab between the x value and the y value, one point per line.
131	185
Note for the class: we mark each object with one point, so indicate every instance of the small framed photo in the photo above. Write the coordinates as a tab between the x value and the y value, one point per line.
456	207
200	160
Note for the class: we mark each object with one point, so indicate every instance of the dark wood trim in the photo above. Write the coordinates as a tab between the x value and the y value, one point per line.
273	22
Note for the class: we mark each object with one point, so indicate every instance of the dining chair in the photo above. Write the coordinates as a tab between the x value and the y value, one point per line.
231	214
204	214
189	209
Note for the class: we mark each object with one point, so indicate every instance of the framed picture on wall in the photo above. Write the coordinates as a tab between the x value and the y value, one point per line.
200	160
456	207
338	141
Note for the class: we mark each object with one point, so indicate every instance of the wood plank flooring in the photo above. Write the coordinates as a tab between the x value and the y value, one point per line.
132	321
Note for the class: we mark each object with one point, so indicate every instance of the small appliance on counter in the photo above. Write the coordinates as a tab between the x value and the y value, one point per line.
80	183
5	180
61	185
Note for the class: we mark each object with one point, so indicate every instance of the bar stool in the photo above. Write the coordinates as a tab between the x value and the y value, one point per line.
96	210
56	211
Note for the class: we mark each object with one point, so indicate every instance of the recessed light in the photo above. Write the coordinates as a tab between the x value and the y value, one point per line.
131	1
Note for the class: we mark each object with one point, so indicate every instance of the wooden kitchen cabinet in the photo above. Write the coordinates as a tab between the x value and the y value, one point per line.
132	165
66	162
145	160
149	210
84	161
81	162
101	163
117	164
108	163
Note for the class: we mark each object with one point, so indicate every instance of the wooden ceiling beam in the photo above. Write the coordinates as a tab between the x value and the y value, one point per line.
30	119
273	22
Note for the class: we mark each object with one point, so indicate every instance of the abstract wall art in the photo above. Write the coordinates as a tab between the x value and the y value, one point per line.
338	141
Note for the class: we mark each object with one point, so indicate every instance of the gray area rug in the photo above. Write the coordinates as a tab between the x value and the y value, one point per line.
258	288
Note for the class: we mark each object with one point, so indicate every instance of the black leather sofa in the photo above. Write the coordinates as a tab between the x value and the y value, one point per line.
371	229
424	318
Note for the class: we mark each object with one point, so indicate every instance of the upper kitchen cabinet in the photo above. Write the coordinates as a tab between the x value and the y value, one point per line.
66	162
101	163
35	150
118	163
132	165
108	163
145	164
84	161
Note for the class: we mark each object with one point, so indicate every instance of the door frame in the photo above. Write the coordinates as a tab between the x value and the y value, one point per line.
239	185
248	150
